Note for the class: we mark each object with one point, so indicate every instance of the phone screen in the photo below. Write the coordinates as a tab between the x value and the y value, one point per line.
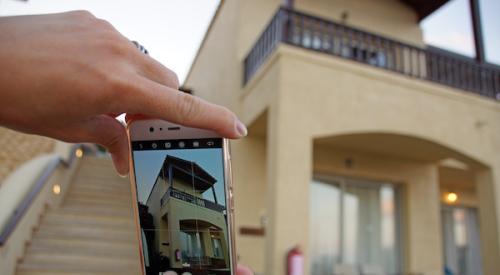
182	206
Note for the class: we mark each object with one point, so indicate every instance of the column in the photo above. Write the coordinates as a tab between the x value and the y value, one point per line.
423	243
487	187
289	161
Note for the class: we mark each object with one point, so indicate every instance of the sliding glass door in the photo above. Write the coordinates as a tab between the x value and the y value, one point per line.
461	242
354	227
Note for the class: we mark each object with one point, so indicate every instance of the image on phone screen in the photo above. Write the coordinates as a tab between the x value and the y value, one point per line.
182	206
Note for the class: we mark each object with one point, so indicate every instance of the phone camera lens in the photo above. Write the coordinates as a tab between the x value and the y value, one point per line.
151	129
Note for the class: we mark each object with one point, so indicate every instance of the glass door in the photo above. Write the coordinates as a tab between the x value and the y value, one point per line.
461	243
354	227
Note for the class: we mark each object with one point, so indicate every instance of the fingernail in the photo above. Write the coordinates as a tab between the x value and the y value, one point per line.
241	129
122	175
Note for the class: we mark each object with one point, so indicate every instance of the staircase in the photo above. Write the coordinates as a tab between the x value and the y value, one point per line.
91	233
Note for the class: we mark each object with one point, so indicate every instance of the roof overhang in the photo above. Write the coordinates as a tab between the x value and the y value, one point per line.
424	7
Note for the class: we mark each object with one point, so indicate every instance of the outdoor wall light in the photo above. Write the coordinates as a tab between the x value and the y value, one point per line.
79	153
451	197
56	189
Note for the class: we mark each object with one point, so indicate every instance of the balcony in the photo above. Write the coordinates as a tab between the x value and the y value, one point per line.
174	193
321	35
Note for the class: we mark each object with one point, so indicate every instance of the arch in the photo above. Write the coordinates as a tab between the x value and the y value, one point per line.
401	145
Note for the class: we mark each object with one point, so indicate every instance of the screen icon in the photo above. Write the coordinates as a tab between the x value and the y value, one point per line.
196	144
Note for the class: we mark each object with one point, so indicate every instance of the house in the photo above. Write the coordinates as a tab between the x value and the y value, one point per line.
187	228
371	151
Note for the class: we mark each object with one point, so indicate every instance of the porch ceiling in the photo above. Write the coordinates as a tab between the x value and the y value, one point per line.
424	7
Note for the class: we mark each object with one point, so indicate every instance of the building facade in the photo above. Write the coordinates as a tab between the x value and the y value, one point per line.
372	152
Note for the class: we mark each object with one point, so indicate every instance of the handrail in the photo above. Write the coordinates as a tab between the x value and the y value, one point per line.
326	36
33	193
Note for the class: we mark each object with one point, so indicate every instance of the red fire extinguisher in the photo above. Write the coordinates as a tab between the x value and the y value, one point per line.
295	262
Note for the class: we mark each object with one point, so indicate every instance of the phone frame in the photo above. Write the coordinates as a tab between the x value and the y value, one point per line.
138	130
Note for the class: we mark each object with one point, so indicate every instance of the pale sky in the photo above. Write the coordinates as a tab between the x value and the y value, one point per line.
451	28
172	30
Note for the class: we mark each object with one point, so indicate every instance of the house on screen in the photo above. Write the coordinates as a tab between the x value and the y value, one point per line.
188	218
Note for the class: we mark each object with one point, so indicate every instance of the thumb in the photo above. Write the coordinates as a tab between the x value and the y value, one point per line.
110	133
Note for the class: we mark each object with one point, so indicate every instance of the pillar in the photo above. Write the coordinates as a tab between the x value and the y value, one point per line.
423	221
487	185
289	168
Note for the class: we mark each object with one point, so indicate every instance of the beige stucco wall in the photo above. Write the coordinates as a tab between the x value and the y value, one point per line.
390	18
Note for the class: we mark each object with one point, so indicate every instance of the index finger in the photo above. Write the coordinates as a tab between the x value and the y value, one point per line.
155	100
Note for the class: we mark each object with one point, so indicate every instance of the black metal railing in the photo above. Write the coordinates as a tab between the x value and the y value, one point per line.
322	35
174	193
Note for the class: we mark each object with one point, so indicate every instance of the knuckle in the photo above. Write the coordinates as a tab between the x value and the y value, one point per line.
114	46
103	24
174	79
228	116
81	14
187	107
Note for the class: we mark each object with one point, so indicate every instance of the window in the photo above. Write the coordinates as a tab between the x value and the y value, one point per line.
217	248
461	242
191	243
354	227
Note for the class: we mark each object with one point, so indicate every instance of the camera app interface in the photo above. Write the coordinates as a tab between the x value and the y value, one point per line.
182	206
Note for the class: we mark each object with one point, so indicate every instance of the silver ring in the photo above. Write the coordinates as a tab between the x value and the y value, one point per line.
140	47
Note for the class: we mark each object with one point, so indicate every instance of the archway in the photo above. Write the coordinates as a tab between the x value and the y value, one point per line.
417	173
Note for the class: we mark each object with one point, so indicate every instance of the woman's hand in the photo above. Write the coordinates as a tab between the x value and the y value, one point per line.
68	75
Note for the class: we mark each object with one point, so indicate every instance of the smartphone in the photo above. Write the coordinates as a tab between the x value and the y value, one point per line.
181	180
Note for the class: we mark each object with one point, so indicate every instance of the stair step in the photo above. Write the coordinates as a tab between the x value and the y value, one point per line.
55	259
84	248
118	183
97	209
64	219
76	246
77	265
98	201
72	193
85	233
101	189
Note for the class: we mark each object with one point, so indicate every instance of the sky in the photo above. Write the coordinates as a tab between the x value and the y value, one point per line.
172	30
451	28
148	164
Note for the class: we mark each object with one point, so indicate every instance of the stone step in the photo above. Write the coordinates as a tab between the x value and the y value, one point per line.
63	219
77	246
97	195
118	183
97	210
85	233
101	188
98	201
76	266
